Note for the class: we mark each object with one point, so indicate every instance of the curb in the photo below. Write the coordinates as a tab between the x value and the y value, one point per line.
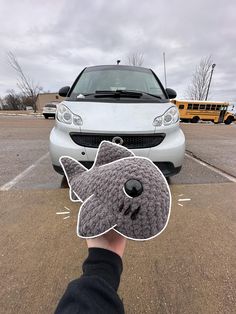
22	114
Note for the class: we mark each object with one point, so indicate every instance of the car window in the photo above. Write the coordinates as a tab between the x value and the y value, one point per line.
50	106
114	79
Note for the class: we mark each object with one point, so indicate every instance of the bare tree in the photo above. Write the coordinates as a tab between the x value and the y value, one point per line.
1	103
12	100
28	88
197	90
136	58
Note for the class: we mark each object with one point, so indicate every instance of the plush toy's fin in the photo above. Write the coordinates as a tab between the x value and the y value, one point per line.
93	220
108	152
73	196
71	167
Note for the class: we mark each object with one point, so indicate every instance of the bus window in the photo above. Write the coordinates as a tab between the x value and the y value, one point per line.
181	106
202	107
218	107
208	107
213	107
190	106
195	106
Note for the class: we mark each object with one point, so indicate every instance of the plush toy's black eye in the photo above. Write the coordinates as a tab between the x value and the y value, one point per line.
133	187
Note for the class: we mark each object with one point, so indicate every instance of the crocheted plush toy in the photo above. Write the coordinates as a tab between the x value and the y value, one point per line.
121	191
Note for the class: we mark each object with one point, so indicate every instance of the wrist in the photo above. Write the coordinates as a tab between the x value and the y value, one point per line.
111	241
104	264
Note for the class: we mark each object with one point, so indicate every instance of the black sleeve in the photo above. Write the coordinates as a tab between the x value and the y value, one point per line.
96	290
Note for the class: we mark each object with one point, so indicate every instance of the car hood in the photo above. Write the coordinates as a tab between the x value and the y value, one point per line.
117	117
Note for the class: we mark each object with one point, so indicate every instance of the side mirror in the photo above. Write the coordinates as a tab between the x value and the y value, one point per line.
171	93
64	91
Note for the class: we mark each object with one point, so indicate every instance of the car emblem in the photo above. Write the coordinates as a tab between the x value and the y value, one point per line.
117	140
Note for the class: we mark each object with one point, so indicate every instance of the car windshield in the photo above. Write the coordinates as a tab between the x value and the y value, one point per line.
115	79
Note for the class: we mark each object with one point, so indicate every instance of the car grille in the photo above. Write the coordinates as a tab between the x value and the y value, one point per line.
129	140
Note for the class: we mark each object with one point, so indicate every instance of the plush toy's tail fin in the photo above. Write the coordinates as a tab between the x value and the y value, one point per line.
71	167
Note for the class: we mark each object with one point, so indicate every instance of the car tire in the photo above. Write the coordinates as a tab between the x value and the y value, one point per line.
168	179
64	183
45	116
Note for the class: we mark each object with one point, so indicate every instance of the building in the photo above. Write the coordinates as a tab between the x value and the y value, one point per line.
45	98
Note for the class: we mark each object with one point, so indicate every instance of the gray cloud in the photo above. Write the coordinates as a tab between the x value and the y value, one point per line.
55	40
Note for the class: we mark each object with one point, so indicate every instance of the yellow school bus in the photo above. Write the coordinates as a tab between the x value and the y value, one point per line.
195	110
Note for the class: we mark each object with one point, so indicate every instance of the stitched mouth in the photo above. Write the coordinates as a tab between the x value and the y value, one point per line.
135	213
121	207
127	211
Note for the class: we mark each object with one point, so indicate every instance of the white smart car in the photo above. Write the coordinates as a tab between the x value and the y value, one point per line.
123	104
49	110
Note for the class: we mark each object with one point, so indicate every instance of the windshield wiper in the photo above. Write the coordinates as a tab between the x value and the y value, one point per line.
120	93
117	93
140	92
153	95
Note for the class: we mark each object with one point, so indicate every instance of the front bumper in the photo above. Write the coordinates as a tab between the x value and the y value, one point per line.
168	155
167	168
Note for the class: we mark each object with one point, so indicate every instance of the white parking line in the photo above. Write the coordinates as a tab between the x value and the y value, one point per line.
222	173
7	186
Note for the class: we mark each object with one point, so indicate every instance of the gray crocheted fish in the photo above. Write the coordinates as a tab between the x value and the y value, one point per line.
121	191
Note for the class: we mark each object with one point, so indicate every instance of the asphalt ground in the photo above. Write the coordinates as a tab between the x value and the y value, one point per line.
189	268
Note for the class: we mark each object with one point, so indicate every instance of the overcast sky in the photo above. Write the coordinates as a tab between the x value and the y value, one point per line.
54	40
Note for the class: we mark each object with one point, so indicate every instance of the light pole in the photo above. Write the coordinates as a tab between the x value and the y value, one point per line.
164	63
212	69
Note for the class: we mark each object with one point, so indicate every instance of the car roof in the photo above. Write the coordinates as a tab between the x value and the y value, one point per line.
116	67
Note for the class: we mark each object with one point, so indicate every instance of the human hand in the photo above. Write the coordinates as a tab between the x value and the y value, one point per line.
111	240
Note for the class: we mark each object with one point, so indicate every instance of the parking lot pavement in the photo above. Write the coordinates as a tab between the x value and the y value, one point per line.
215	144
23	140
189	268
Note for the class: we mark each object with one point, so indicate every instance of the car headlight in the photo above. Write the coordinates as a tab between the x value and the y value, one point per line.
171	116
66	116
